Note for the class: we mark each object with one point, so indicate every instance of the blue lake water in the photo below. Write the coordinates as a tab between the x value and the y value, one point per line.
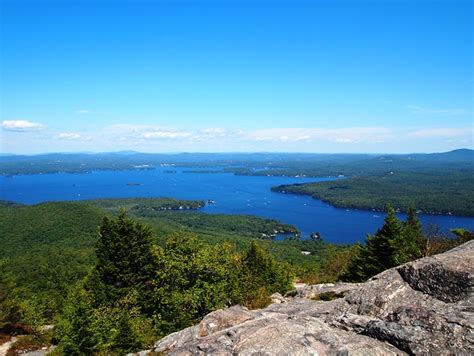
232	194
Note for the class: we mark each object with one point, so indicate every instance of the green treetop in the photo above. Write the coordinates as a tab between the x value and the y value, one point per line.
394	243
124	251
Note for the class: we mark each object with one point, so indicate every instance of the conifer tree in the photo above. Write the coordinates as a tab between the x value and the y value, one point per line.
409	245
75	327
413	223
125	255
356	272
381	245
379	252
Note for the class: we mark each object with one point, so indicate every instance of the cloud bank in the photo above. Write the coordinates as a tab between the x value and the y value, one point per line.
156	138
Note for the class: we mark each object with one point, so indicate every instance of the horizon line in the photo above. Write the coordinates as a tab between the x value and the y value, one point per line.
4	154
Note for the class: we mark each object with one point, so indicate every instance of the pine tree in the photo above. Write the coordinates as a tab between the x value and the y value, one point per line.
379	252
75	327
125	255
126	339
409	245
356	272
413	223
381	245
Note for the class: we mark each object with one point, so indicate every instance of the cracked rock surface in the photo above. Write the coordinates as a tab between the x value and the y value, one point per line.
425	307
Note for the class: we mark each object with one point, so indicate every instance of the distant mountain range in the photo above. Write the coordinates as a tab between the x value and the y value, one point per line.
242	163
458	153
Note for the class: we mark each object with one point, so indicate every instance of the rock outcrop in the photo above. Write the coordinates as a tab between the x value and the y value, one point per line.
425	307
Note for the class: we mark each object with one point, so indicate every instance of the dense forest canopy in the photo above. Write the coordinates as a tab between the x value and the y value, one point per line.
433	193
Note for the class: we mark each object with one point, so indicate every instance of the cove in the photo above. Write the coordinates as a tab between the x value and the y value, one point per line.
232	194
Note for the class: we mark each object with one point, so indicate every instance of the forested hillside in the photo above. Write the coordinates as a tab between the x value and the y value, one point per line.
432	193
439	183
39	241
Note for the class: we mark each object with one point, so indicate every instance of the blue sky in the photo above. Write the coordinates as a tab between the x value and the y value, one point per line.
173	76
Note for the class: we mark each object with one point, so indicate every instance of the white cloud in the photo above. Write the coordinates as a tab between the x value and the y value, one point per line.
449	112
344	140
154	138
147	132
69	136
444	132
126	129
73	136
282	135
165	134
292	138
214	132
21	125
338	135
359	135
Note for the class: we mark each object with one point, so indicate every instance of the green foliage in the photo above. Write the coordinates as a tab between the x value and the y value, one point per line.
397	243
138	289
409	245
38	242
216	224
438	191
32	312
394	243
144	206
49	247
9	306
124	254
262	275
335	262
76	328
192	280
85	327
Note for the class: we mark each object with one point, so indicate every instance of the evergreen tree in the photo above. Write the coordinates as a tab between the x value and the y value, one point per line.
75	327
125	256
356	271
379	251
381	246
126	339
409	245
413	223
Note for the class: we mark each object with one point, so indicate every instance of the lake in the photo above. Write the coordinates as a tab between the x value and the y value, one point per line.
232	194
